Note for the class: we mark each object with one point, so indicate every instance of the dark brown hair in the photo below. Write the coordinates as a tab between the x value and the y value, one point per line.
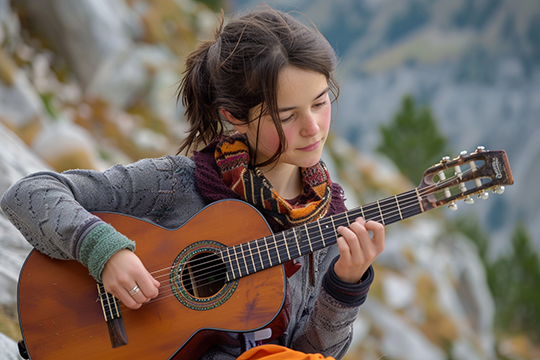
239	69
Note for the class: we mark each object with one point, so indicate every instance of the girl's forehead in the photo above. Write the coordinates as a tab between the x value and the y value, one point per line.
296	86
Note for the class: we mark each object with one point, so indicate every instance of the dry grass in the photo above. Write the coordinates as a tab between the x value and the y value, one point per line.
9	325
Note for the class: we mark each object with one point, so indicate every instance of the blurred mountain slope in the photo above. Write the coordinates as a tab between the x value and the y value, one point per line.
476	63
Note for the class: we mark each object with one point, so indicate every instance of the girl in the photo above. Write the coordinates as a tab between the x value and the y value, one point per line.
270	78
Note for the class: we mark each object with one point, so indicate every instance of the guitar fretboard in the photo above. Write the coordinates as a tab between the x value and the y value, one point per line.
250	257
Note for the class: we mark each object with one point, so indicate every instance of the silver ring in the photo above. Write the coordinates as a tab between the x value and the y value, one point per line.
135	290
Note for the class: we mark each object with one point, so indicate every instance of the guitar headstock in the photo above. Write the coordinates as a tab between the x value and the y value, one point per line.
464	177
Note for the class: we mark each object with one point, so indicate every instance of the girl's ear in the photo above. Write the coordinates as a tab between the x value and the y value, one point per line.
238	125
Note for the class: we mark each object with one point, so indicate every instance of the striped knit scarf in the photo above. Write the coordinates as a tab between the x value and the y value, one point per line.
232	158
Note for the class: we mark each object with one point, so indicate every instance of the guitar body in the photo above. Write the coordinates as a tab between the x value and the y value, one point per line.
61	316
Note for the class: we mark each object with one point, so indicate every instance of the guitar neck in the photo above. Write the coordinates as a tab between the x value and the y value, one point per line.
247	258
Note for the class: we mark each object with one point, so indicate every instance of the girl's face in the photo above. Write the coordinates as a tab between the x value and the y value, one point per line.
305	113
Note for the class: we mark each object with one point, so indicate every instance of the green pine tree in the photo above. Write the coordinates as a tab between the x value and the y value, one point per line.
412	140
515	282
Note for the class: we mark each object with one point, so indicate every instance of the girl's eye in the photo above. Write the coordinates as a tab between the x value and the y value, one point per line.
287	118
318	105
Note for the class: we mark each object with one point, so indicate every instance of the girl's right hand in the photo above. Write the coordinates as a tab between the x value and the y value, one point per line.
122	273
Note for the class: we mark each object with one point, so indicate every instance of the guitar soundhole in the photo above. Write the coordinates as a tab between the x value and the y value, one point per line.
198	276
203	275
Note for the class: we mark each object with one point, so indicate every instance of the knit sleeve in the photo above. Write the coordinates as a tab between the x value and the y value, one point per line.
344	292
54	210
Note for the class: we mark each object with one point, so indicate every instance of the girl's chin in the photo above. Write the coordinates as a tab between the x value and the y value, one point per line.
306	164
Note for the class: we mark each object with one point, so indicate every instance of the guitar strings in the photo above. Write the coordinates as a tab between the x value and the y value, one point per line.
256	252
275	245
169	292
410	197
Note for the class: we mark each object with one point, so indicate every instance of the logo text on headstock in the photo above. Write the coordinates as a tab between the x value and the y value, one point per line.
497	168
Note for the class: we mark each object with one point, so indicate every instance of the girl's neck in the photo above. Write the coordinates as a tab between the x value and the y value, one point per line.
285	179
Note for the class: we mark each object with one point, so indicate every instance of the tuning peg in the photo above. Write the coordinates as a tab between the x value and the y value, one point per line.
480	148
463	153
483	195
469	200
499	189
452	206
445	159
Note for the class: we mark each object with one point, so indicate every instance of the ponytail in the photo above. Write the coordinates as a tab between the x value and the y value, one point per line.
197	94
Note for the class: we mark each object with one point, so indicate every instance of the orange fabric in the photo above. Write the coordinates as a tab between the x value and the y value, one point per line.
277	352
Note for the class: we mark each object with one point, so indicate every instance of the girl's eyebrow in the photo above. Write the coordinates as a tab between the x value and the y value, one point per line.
316	97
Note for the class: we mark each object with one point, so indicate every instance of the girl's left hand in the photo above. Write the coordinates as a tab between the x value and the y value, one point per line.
357	249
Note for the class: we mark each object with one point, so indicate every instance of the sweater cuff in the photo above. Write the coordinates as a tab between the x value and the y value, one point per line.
99	245
347	293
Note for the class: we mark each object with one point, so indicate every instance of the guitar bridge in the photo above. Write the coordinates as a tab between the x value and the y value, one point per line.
113	317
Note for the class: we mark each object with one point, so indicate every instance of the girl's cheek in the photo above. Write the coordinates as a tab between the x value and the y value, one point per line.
327	118
271	138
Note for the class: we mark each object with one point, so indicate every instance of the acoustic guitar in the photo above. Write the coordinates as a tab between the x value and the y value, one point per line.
220	272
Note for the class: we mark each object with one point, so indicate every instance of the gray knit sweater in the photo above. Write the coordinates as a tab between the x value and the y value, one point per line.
53	212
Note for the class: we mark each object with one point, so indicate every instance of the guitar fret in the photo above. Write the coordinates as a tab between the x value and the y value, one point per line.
243	260
321	231
380	212
109	315
260	256
297	244
230	273
329	232
277	249
399	209
347	218
253	263
286	247
283	251
263	253
116	308
309	240
419	199
245	257
257	264
248	255
268	251
99	287
237	263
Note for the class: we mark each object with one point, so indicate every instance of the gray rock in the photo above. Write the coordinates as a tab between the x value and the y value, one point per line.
95	39
16	161
8	349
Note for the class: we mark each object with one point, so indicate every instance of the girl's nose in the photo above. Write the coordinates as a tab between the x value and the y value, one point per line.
310	126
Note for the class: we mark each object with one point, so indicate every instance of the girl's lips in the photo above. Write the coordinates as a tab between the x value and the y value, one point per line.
311	147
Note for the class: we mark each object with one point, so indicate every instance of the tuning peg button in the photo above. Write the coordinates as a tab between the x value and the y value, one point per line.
499	189
452	206
469	200
483	195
